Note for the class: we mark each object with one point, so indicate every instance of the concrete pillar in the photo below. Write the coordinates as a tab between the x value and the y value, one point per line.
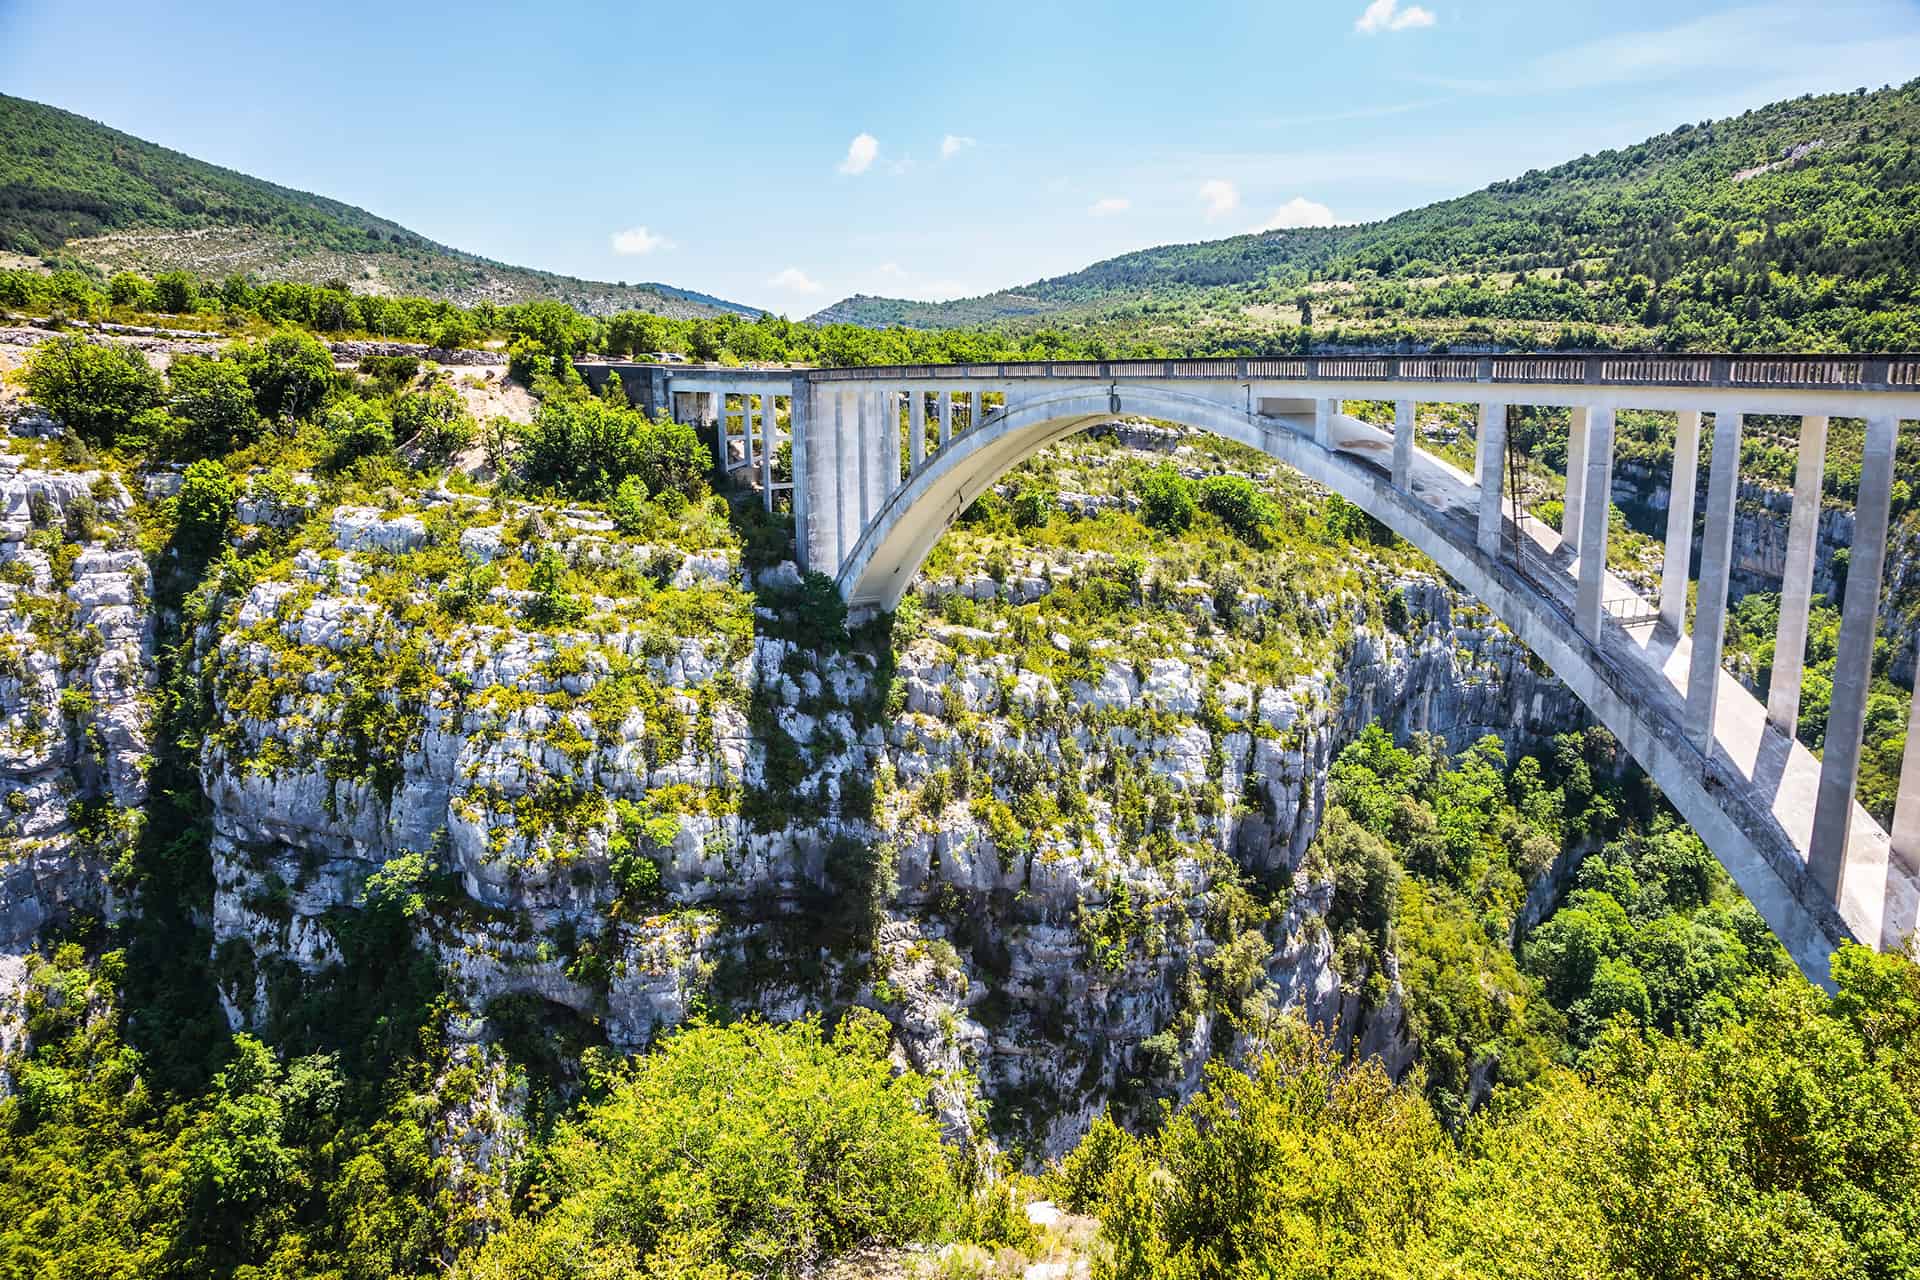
1596	458
916	428
976	402
1323	411
846	471
803	472
1853	662
946	419
1796	583
1490	462
746	428
719	400
768	429
1570	524
889	476
1716	566
1677	569
1403	429
1906	808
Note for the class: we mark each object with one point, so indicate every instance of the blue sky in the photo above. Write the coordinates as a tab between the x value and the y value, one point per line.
785	155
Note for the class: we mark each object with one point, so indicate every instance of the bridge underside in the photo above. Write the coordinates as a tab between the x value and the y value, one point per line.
1751	793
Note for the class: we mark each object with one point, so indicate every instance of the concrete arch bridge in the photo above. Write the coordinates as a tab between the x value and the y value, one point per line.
1787	825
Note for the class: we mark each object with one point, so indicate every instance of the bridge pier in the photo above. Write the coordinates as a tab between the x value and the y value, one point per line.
1576	473
1677	569
1490	464
1796	583
1404	429
1716	572
1596	517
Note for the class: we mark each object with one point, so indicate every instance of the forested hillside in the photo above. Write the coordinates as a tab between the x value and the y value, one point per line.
1795	225
76	191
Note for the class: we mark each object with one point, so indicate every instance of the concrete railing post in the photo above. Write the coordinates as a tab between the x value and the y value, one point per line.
1596	511
946	420
1576	476
916	428
1716	567
1490	464
1403	429
1677	570
1853	662
1796	582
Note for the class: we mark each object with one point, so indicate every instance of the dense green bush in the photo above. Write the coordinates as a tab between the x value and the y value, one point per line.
204	505
291	374
1240	506
747	1150
434	424
585	448
1166	499
215	400
95	388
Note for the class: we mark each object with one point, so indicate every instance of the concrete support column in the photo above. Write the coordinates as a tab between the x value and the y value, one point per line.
719	401
1596	479
976	403
889	449
1490	462
1403	429
769	428
1906	808
1853	662
1796	583
846	469
1716	566
916	428
1323	411
1677	569
1570	523
746	428
946	419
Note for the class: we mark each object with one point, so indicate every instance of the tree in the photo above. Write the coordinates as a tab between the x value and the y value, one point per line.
291	374
434	424
740	1150
1240	506
1166	499
215	400
95	388
204	506
176	292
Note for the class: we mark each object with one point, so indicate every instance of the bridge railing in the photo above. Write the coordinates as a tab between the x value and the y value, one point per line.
1814	372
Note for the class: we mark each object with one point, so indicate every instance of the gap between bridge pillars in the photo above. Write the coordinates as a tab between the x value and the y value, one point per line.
1796	583
1403	429
1716	567
916	429
769	426
1596	483
946	419
1677	569
1491	464
1570	524
1853	663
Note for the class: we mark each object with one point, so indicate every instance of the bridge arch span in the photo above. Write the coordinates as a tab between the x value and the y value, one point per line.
1436	512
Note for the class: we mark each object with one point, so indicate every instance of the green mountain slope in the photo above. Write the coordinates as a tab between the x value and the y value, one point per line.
76	191
1797	224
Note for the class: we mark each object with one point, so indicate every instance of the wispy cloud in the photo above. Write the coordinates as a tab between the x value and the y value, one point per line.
1299	212
1220	196
638	240
1109	205
793	280
860	154
953	144
1387	15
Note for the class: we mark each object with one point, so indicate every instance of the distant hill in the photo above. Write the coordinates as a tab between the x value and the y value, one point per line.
1797	224
74	190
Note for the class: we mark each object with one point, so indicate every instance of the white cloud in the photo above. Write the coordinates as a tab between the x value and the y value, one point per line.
1109	206
953	144
1387	15
1222	197
794	280
860	153
1298	212
637	240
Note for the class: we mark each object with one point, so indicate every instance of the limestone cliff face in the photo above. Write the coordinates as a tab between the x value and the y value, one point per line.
76	640
1033	852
